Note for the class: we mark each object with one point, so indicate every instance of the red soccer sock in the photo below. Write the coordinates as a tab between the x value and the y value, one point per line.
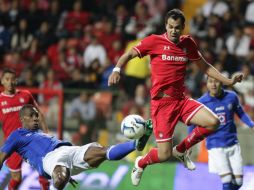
150	158
44	183
13	184
197	135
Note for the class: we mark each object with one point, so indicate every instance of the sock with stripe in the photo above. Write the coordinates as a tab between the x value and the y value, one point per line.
197	135
117	152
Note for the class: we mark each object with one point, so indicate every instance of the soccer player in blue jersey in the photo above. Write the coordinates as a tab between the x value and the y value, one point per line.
224	154
54	158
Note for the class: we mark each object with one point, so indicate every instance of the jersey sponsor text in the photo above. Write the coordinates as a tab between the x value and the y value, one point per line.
173	58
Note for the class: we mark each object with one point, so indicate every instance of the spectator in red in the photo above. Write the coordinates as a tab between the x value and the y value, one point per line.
108	34
33	54
14	61
50	82
76	17
73	59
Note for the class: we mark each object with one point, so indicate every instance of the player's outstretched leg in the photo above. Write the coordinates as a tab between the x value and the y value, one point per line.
141	163
118	151
141	142
136	172
184	158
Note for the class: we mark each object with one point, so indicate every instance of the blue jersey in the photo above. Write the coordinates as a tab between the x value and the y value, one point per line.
32	145
224	107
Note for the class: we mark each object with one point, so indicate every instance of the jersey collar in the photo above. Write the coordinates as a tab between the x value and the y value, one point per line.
8	95
218	97
166	37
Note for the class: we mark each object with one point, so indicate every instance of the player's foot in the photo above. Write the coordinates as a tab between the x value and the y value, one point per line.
141	142
136	172
184	158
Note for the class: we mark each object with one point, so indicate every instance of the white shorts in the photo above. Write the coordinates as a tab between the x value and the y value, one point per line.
71	157
225	160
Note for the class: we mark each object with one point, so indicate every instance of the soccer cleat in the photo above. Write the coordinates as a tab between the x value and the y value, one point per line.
141	142
184	158
136	172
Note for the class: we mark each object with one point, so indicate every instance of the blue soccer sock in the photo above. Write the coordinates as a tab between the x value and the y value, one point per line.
227	186
118	151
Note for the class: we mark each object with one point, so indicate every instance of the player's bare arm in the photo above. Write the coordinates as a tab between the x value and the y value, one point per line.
114	77
43	123
3	157
214	73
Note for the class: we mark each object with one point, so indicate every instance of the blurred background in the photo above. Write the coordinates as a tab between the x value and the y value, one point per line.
64	50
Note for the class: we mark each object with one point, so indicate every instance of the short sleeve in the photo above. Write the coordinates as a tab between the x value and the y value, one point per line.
144	47
193	54
10	145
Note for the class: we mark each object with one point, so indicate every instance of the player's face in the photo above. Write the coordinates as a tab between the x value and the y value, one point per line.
9	82
30	119
174	29
213	86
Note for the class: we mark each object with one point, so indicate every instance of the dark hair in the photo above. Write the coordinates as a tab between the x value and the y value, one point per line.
24	108
175	14
8	70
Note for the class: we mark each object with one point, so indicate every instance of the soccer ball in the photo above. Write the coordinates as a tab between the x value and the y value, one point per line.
133	126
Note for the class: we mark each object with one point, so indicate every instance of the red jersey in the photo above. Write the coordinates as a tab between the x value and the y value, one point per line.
168	62
9	109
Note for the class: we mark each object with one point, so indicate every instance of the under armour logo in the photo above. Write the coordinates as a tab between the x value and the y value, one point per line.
166	48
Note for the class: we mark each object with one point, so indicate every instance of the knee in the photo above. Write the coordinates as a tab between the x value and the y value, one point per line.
60	182
14	183
214	123
16	177
15	180
61	178
164	155
226	178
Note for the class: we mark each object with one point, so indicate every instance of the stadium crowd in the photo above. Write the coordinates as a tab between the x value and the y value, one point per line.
75	45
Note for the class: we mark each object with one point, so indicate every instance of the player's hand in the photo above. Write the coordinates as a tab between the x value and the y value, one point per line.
237	77
73	182
114	78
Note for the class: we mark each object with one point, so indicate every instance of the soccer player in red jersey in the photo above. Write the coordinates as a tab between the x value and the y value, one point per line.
170	53
11	101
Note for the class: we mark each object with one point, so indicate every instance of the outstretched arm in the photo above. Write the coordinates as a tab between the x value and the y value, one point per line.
43	124
3	157
243	115
214	73
115	75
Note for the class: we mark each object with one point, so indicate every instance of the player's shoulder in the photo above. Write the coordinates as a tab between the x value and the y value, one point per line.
153	37
23	92
230	93
187	38
16	133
